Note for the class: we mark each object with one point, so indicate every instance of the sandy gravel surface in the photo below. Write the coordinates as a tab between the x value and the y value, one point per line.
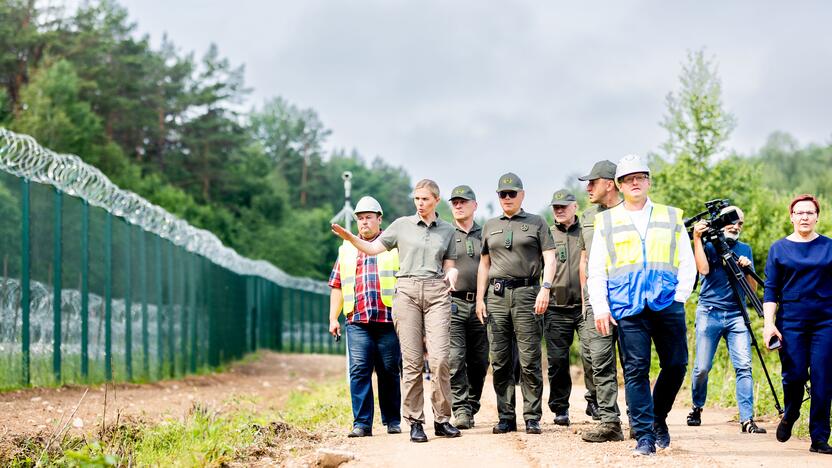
267	382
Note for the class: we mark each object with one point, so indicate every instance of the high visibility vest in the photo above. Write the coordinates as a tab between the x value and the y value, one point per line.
387	264
641	272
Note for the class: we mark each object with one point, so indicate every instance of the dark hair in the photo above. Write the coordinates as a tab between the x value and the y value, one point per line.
804	197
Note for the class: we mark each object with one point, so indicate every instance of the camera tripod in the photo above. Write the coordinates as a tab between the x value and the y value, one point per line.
739	285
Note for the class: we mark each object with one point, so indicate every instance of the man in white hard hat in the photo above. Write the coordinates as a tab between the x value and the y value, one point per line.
363	286
641	271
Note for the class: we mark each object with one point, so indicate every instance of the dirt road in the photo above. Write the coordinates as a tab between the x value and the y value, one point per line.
717	442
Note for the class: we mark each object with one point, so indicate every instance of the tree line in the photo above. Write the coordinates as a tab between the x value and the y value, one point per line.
169	126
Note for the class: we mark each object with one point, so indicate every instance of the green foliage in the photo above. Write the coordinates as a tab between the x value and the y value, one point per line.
168	126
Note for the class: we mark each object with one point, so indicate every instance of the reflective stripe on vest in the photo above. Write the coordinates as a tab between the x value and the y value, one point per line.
387	264
641	272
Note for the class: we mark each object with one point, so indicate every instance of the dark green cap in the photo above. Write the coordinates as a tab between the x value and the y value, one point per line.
509	182
463	191
601	170
563	198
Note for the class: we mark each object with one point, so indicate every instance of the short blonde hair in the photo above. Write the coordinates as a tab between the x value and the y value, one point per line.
432	186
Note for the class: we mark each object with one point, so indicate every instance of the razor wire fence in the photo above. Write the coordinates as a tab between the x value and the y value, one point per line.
99	284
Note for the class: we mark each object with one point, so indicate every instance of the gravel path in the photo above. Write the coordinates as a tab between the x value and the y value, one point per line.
718	442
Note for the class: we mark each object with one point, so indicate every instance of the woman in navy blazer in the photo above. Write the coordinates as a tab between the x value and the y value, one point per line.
799	278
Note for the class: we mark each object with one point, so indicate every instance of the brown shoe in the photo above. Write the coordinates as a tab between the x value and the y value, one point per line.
604	432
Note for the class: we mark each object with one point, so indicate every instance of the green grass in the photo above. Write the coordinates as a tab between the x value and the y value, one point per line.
204	437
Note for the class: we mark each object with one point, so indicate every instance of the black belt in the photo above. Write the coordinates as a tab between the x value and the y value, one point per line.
516	283
467	296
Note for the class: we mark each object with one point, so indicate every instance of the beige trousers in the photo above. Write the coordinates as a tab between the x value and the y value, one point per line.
422	316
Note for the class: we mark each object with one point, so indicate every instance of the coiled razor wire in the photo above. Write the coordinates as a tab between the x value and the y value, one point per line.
22	156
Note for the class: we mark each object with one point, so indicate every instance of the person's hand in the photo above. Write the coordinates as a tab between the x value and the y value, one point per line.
743	261
450	279
542	301
770	330
699	228
604	324
482	313
339	231
334	328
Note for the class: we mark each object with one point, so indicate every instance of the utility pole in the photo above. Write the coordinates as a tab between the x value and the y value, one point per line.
345	214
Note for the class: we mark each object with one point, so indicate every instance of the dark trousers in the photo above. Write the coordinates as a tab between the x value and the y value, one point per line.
667	330
469	358
512	316
374	346
560	326
807	343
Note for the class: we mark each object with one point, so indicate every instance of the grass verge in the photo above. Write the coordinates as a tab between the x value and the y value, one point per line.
244	433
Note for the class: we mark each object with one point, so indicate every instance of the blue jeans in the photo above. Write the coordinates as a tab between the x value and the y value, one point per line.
666	329
374	346
712	325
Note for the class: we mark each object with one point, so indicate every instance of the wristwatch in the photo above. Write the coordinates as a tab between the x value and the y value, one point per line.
547	285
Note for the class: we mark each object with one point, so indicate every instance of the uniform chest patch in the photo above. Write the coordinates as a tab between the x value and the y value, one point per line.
524	227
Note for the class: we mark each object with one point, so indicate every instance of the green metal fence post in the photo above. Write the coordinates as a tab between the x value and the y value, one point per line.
25	293
128	304
192	264
171	308
183	308
143	288
57	287
292	306
160	350
85	289
108	298
278	313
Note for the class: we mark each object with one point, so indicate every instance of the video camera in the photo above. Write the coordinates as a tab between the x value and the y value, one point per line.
717	218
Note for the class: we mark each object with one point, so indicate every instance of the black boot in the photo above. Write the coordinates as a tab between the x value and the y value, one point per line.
445	429
417	434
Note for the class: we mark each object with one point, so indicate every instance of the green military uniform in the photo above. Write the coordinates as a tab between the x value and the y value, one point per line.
601	348
563	316
469	338
515	245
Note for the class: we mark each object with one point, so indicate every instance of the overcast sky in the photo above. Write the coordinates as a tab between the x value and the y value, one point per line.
460	92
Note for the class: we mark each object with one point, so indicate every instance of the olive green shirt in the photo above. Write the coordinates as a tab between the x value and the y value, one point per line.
529	236
566	287
588	226
422	248
468	247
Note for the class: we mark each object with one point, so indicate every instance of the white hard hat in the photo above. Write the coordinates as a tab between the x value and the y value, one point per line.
368	205
630	164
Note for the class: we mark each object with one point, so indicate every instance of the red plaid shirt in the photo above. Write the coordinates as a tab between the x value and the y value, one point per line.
368	305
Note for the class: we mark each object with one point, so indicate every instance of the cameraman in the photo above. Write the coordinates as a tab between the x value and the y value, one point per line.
719	315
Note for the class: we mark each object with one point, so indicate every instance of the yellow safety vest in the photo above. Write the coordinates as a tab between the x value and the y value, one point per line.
387	264
641	272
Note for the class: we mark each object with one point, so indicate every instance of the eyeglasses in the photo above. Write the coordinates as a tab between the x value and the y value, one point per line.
801	214
635	178
509	194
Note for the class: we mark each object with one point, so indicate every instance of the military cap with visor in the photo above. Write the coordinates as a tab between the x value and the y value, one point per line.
601	170
563	198
464	192
509	182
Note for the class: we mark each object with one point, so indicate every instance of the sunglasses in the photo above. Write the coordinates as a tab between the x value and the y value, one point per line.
509	194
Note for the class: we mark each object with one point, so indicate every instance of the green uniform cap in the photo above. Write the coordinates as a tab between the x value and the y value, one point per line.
563	198
509	182
601	170
463	191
